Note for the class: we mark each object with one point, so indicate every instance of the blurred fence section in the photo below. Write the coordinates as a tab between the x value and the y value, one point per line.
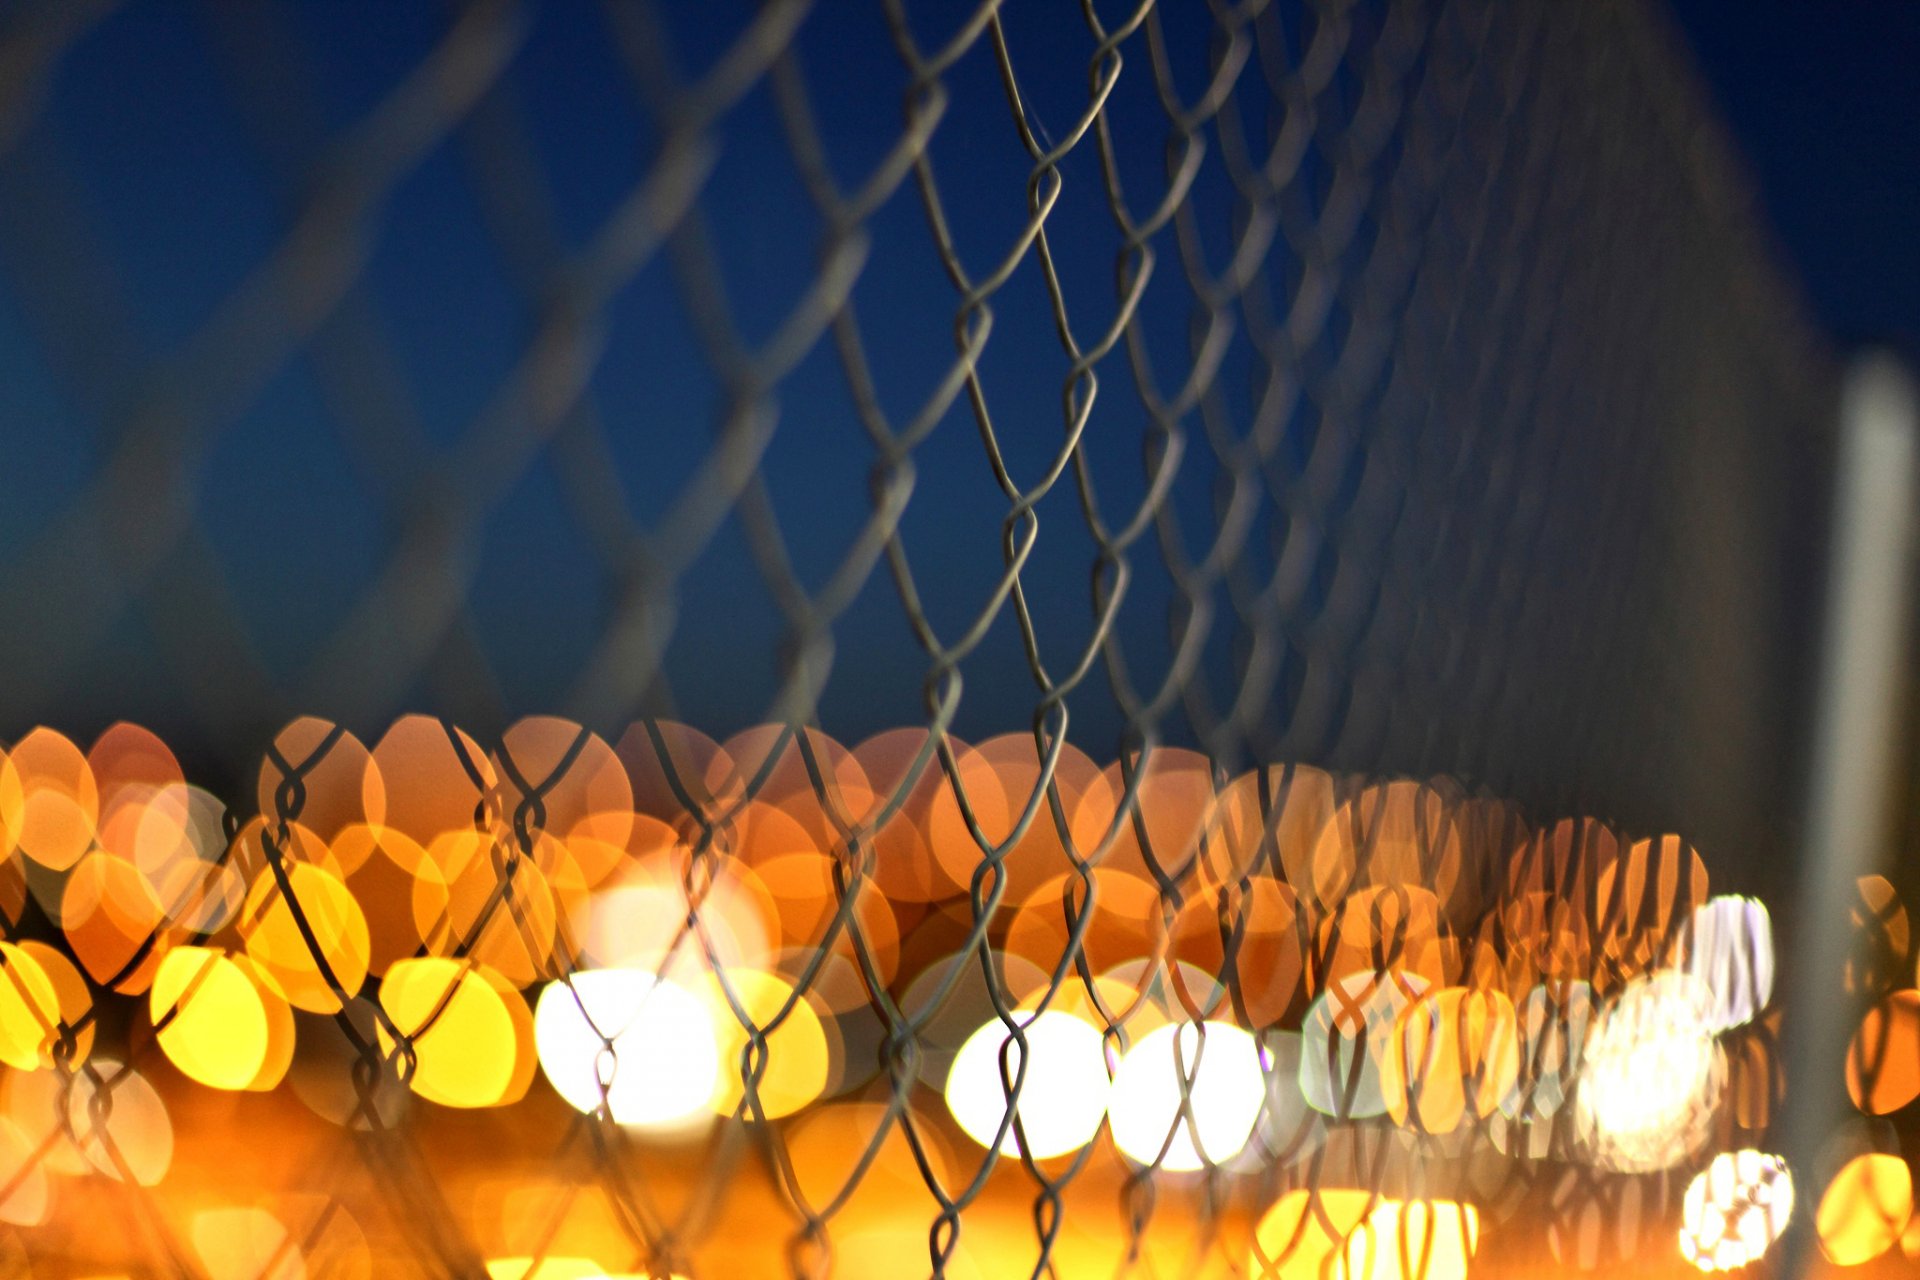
1392	385
1383	414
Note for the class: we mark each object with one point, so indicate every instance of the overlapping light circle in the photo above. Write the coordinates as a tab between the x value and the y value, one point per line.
1187	1095
1735	1209
680	934
1054	1070
1650	1077
621	1041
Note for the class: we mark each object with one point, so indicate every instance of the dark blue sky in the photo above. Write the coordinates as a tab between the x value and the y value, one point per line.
170	154
175	143
1824	100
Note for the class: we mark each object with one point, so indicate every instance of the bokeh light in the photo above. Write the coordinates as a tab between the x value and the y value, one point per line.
1728	948
1452	1053
1735	1209
29	1009
219	1021
58	802
1865	1208
1650	1078
119	1124
1412	1240
1375	1003
1187	1095
114	922
309	936
790	1070
1883	1058
641	1047
1347	1033
560	1267
468	1033
1304	1232
1062	1090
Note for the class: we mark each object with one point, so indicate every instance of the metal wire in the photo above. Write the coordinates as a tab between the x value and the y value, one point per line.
1466	431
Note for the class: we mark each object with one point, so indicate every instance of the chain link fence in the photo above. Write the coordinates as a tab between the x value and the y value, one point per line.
1255	428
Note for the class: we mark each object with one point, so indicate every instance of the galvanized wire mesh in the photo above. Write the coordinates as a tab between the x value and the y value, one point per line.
1396	388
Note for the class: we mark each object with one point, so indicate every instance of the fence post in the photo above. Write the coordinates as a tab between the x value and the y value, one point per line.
1852	762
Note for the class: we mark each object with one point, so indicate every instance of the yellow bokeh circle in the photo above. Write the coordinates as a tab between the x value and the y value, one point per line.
468	1032
220	1021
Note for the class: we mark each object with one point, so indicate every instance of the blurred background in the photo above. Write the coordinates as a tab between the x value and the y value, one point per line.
1815	97
1817	100
1441	407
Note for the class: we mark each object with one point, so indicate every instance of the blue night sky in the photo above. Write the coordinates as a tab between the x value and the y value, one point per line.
179	161
172	158
1821	100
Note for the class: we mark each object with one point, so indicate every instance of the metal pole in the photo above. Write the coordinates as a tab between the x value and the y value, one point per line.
1855	735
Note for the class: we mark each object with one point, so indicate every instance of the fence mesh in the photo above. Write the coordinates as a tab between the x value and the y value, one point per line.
1308	450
